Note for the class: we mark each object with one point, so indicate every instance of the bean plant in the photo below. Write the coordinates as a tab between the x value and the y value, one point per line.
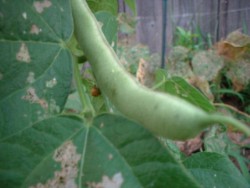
52	133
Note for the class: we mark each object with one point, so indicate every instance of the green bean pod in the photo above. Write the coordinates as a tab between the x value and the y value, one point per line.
163	114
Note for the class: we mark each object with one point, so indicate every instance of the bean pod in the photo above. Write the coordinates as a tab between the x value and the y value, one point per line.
163	114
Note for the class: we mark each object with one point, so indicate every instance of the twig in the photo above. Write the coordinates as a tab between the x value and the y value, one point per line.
232	108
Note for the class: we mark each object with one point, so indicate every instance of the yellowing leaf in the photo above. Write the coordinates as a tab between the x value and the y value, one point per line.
235	46
239	74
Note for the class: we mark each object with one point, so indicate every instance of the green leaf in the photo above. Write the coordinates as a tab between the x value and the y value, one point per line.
179	87
109	25
119	145
222	144
100	5
132	5
73	103
33	21
215	170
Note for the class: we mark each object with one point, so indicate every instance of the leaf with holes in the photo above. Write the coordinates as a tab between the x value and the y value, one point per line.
123	152
35	64
35	79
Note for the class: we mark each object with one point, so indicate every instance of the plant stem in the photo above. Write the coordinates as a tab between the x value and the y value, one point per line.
230	121
232	108
88	109
164	25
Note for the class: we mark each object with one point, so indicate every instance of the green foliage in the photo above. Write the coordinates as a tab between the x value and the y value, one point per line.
185	38
179	87
127	23
221	144
47	139
132	5
191	40
109	26
213	169
220	71
130	56
107	5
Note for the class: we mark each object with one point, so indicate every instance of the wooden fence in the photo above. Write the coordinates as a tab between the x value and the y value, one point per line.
214	17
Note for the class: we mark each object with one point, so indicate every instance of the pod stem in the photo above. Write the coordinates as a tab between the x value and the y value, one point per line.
232	122
88	109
